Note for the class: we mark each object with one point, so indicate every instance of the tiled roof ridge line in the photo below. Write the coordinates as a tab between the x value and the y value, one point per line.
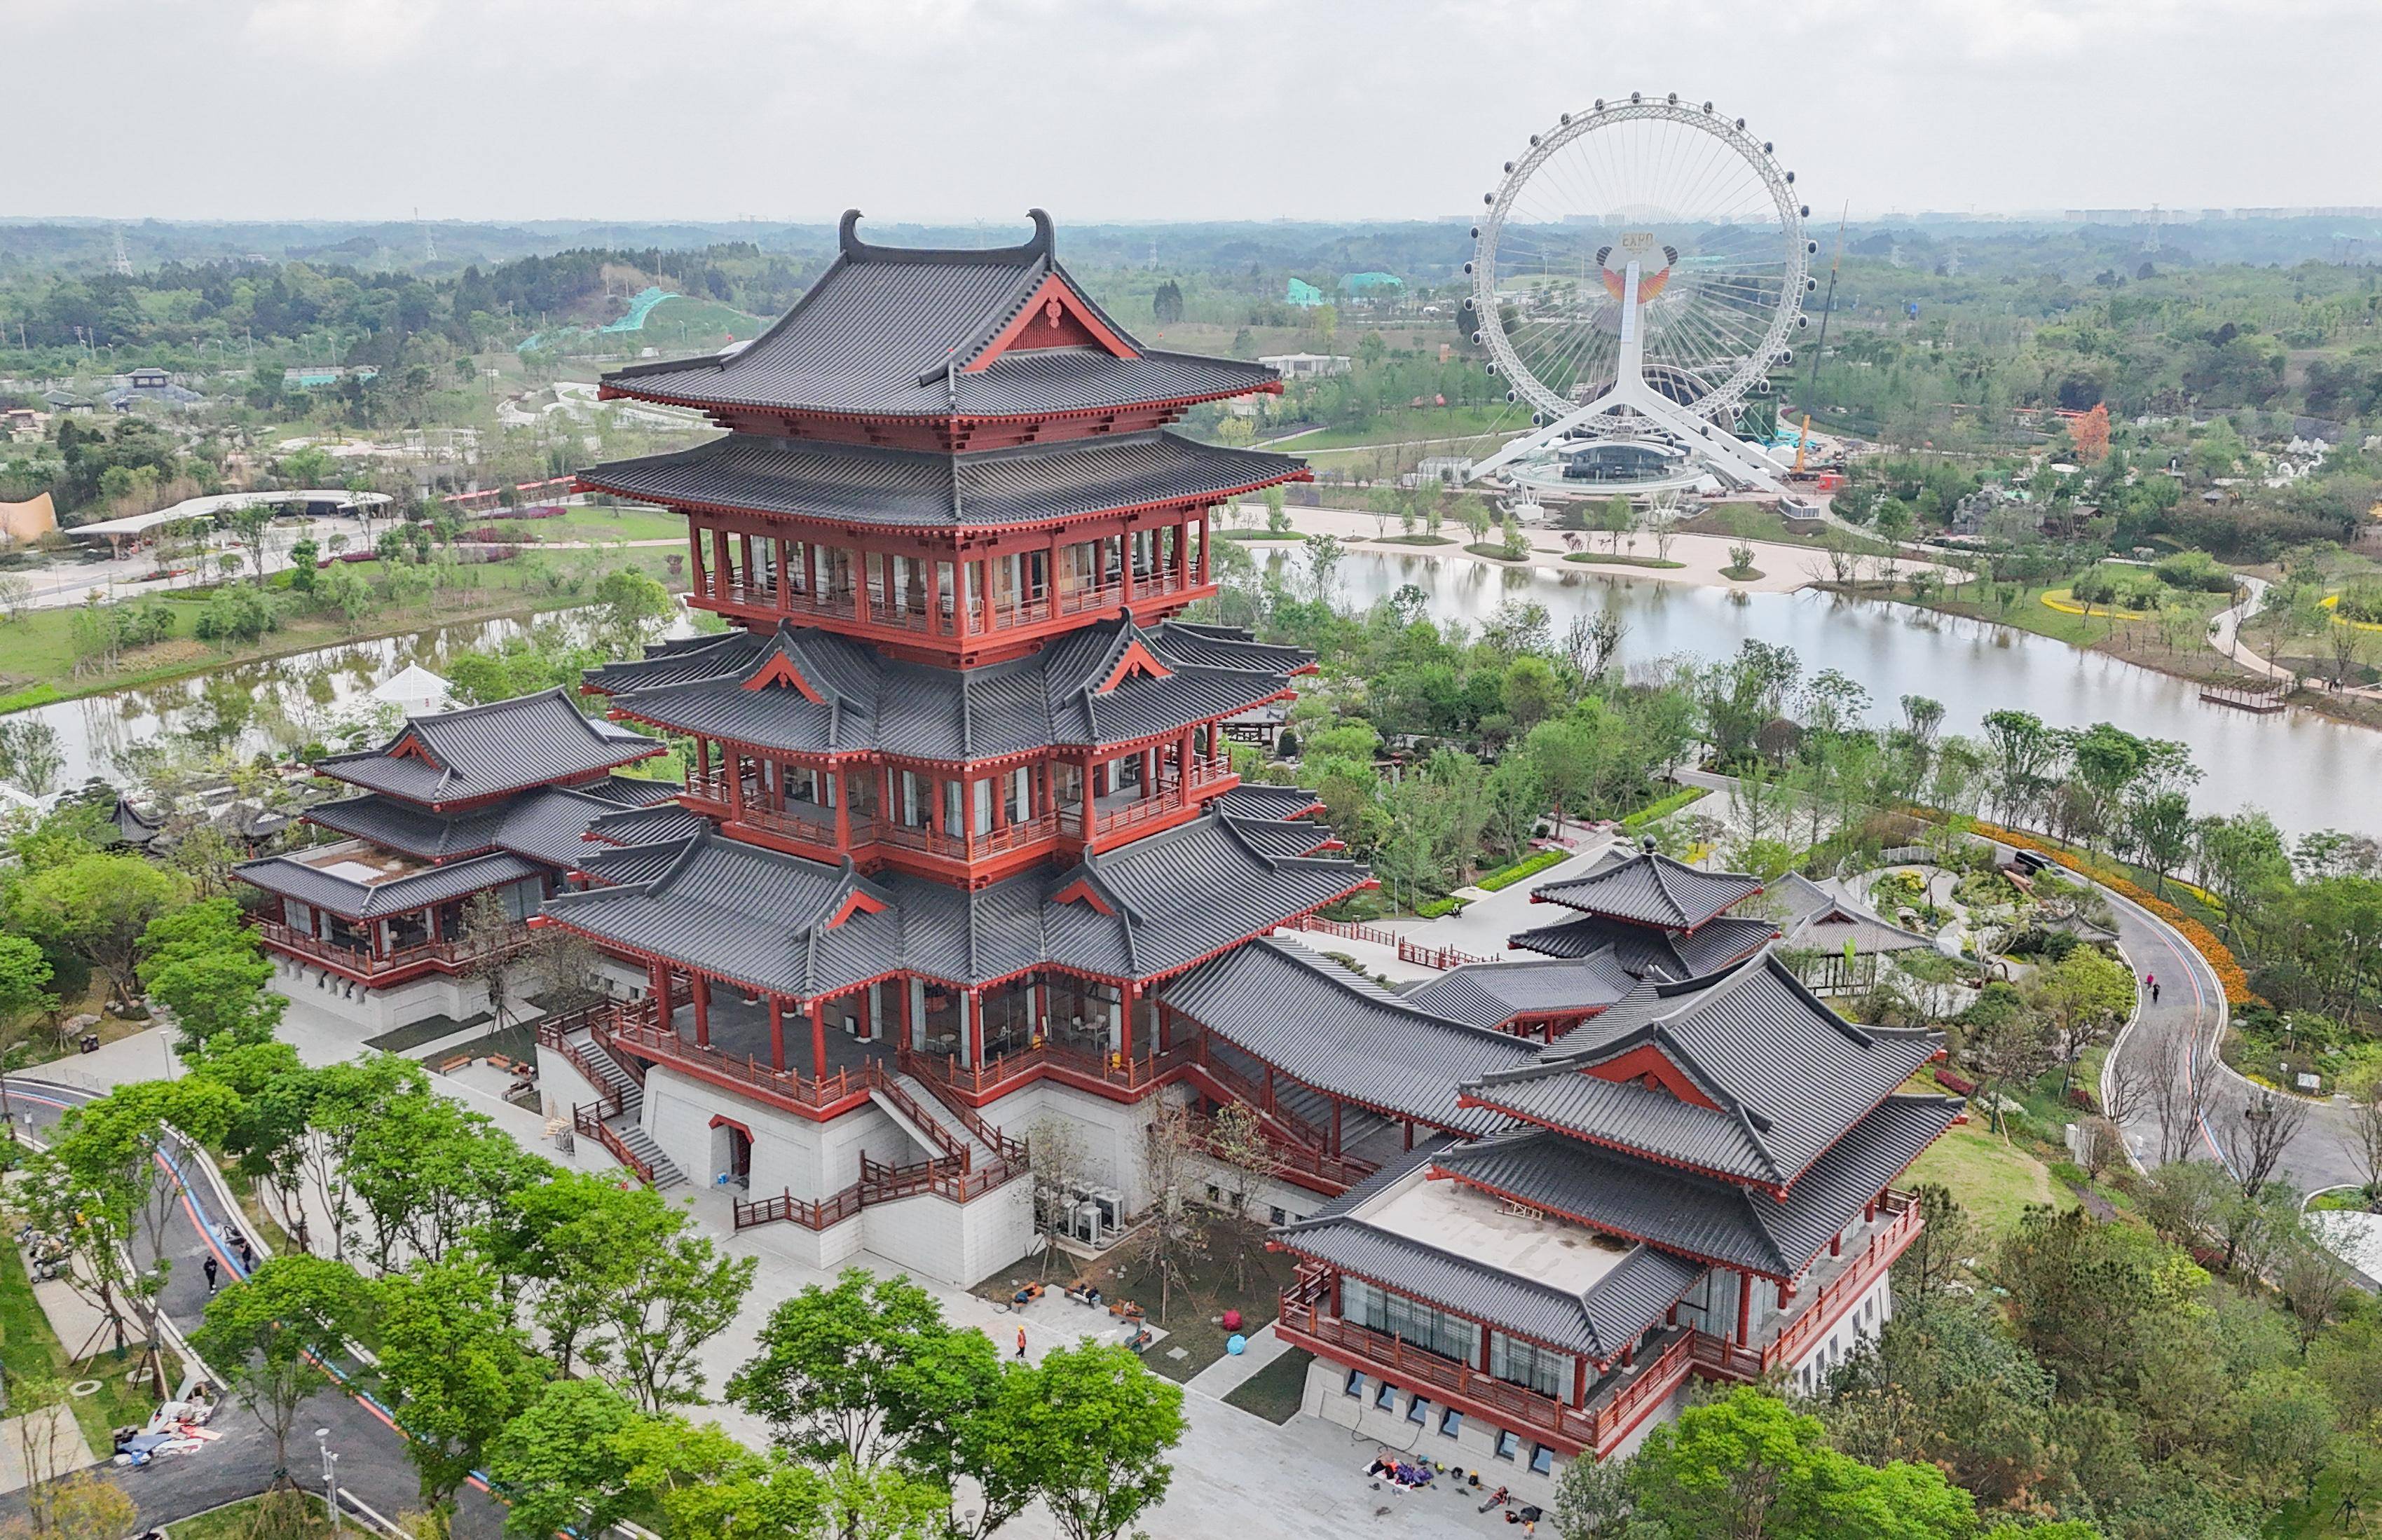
1338	978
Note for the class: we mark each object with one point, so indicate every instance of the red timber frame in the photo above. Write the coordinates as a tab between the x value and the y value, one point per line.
1179	778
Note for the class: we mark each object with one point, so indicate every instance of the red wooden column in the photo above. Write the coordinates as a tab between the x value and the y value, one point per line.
818	1039
860	607
975	1030
745	561
732	765
1744	1307
702	759
934	596
1182	763
1129	997
695	557
1579	1381
719	567
702	1009
842	811
909	1026
659	975
786	571
777	1033
867	1017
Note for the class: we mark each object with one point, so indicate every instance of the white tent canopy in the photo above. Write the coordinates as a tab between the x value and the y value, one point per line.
416	691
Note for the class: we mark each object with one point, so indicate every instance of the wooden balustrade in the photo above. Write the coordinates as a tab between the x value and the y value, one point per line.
458	953
784	1087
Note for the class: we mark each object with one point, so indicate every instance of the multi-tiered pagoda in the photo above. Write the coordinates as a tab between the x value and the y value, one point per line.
959	802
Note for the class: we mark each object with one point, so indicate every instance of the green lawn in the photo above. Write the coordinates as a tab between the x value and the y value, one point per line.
1994	1180
28	1346
626	522
1412	424
1605	559
2029	613
297	1516
1741	574
1414	540
1277	1391
1259	534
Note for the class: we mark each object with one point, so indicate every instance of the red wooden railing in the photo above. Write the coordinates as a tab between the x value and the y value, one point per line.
364	964
833	1209
1838	1294
642	1035
1295	1161
1005	1069
588	1121
970	845
1408	951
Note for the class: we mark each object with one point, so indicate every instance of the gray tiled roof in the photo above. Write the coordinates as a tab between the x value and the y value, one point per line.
1652	890
1342	1034
1816	919
871	702
1787	1076
294	879
1647	952
910	489
750	914
1699	1215
485	750
546	822
646	826
1254	799
1285	837
1491	994
890	332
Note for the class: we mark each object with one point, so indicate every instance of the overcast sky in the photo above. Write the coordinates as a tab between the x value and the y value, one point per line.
1150	109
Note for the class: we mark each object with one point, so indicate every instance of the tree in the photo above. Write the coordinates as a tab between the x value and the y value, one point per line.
2007	1044
491	942
1324	553
867	1369
207	968
456	1367
1245	1156
561	1464
2084	996
2161	827
268	1335
1087	1430
2089	433
678	1293
1172	1234
251	525
31	755
1748	1466
632	603
2256	1131
25	976
427	1173
1937	1255
97	906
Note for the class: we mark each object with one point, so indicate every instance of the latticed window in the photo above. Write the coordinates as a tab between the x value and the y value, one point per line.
1519	1363
1410	1320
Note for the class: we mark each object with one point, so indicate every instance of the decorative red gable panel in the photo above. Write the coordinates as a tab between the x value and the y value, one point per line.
1648	1066
1055	317
856	903
1136	660
1081	891
781	670
409	747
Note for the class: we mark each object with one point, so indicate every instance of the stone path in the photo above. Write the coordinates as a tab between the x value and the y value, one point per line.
56	1440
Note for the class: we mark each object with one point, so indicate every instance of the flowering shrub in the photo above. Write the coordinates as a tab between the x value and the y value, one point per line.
2221	959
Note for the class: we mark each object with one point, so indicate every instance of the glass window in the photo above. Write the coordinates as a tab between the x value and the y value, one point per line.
1416	1410
1508	1446
1519	1363
1450	1423
1410	1320
1355	1385
1543	1459
1386	1396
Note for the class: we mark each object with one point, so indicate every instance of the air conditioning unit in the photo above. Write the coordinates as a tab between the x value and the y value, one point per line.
1111	1202
1085	1225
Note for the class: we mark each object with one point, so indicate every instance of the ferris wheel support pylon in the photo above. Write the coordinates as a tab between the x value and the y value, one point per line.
1719	450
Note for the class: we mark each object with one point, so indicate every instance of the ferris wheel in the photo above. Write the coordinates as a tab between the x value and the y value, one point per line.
1639	274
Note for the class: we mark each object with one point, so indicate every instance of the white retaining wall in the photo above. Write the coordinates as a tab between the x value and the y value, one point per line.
374	1011
793	1155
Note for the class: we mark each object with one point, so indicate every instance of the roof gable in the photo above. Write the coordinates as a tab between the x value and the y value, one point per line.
1650	888
779	669
1647	1065
1055	315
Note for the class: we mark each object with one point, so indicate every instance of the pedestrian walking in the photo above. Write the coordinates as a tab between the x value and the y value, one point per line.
2154	989
1021	1344
246	1252
210	1268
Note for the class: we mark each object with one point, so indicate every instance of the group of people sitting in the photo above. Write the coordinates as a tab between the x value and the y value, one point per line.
1404	1474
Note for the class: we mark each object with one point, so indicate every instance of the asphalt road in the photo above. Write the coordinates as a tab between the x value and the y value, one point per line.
2190	1006
372	1460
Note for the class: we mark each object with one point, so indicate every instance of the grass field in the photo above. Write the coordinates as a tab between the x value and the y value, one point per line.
1605	559
1409	425
1994	1178
32	1350
300	1518
1750	521
37	651
598	523
1276	1391
2100	631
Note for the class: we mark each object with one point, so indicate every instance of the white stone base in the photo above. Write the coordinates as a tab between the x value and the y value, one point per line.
377	1010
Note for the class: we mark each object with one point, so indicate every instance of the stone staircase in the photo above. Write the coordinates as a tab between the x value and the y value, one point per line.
626	1093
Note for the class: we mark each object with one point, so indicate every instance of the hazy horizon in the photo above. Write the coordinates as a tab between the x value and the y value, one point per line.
1154	111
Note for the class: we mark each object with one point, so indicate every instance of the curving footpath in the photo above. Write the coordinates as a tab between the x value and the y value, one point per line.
372	1464
2191	1006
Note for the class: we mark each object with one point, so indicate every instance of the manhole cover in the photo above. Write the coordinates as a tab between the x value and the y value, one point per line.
83	1387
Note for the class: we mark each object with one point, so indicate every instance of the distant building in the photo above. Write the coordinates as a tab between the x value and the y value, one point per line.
1372	285
1308	366
1616	461
147	378
61	401
1448	469
1303	294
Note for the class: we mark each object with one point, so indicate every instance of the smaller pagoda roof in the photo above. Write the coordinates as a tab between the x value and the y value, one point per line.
481	752
1546	1279
1256	800
1748	1075
1647	951
1816	919
1037	483
912	332
1491	994
804	691
1345	1036
360	884
545	822
1650	888
646	826
1718	1221
1285	836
